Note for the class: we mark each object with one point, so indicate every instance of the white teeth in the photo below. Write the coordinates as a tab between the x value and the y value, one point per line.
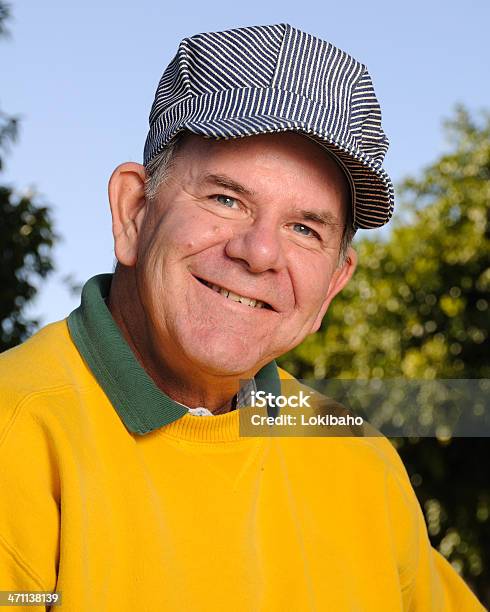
235	297
247	301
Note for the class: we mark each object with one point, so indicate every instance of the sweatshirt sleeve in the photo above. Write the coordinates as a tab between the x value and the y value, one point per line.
428	581
29	512
436	584
17	576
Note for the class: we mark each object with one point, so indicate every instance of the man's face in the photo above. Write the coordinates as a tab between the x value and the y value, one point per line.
259	217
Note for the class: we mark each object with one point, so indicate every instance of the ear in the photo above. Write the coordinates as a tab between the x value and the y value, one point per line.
127	200
339	280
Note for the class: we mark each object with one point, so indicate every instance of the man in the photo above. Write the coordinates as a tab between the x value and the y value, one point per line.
125	482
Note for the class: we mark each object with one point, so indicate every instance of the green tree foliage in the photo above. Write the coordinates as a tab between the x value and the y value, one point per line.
418	308
4	14
26	238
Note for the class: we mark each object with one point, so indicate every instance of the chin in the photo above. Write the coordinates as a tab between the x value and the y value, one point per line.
222	356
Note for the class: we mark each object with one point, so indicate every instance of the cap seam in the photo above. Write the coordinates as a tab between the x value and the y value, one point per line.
287	29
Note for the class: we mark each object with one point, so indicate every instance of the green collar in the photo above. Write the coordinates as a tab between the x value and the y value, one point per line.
141	405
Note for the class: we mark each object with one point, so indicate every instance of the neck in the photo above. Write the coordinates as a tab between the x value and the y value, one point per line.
181	381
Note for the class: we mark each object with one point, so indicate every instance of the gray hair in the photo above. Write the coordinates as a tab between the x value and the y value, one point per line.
158	171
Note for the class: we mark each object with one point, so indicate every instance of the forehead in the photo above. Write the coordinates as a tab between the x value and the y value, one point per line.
288	160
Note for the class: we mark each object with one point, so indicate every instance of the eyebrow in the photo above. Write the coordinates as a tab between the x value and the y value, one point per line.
321	217
221	180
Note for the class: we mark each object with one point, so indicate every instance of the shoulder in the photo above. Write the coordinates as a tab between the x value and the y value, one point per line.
362	448
45	364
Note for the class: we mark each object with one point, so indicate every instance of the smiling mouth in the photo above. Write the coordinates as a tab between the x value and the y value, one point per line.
235	297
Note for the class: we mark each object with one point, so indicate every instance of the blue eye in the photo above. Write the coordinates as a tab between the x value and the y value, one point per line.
226	200
304	229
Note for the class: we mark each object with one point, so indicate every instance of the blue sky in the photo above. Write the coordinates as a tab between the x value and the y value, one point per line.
82	76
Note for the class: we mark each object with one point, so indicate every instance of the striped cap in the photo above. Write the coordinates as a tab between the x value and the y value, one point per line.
277	78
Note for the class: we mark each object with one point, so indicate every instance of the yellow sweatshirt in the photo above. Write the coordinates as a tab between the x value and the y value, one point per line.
120	507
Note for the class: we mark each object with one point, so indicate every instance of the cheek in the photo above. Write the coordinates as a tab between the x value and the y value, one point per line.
182	233
166	250
311	283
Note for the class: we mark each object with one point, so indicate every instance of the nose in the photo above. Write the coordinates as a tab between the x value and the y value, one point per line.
259	246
